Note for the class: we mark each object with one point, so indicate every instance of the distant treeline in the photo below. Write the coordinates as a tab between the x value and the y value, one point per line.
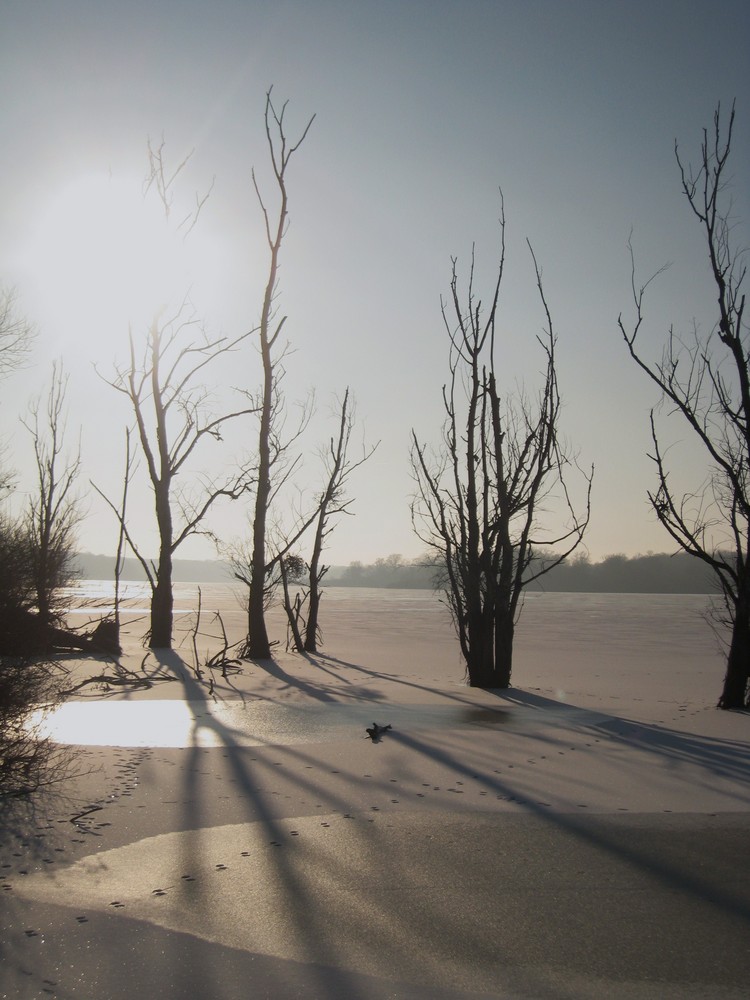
95	567
650	574
655	573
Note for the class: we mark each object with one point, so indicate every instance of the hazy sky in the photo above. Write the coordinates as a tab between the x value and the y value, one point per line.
424	109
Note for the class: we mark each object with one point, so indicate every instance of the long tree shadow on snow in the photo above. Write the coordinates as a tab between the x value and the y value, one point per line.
724	758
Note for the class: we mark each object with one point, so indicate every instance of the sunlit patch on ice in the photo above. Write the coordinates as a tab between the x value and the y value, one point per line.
130	724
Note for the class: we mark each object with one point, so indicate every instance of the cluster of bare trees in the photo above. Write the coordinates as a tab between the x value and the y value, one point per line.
165	386
499	503
333	500
37	550
54	509
479	499
16	571
38	546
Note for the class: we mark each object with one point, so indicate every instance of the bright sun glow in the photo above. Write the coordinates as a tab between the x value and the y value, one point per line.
105	256
124	723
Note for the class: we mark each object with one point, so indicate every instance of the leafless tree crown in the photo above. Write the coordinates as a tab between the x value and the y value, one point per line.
483	499
704	380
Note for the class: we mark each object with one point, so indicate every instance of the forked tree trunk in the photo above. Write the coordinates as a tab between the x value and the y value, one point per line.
481	668
491	658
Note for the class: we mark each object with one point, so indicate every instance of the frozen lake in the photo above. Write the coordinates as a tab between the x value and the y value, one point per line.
587	652
558	634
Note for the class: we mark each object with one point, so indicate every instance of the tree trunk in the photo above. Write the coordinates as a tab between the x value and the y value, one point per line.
736	693
479	668
311	630
162	605
491	656
258	646
162	599
504	632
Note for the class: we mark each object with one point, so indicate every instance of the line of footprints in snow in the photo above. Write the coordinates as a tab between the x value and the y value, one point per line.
128	776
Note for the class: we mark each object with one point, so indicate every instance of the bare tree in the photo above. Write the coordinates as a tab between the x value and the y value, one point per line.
271	448
28	759
16	337
281	565
303	610
165	386
54	510
27	679
16	584
123	520
332	502
16	334
706	382
480	503
292	570
172	413
285	567
7	475
108	629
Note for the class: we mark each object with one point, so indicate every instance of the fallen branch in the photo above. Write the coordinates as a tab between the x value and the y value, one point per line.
132	682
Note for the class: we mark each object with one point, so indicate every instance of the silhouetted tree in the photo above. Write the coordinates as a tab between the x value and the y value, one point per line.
16	577
479	503
292	570
272	449
111	627
283	567
27	758
165	386
26	682
16	337
16	582
333	501
707	383
171	407
16	333
54	510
